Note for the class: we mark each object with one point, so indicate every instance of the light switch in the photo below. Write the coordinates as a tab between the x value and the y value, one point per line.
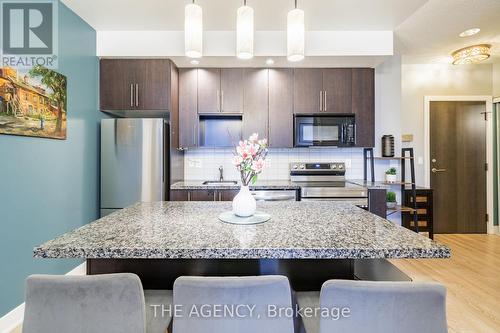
420	160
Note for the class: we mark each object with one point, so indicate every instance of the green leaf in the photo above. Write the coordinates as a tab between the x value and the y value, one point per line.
254	179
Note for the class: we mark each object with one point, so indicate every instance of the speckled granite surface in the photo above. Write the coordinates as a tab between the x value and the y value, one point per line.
260	185
378	184
322	230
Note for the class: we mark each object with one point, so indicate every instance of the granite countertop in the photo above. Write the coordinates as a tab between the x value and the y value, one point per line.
187	230
259	185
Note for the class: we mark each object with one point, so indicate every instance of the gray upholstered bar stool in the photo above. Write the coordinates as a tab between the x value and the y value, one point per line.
381	307
263	292
98	303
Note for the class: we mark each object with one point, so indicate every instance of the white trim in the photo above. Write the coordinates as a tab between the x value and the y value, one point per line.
14	318
496	100
489	145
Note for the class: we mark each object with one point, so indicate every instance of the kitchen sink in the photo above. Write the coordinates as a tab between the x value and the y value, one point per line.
220	182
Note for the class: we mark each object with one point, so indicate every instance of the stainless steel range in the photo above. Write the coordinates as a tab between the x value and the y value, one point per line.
326	181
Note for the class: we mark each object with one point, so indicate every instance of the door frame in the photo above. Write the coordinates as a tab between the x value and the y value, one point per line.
489	144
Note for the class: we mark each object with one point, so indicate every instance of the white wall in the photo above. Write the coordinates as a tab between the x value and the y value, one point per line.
496	80
419	80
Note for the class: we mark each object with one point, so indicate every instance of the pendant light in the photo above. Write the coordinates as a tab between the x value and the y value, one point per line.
295	35
244	32
193	30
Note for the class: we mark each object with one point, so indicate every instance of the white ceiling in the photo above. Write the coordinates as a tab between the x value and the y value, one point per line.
221	14
422	28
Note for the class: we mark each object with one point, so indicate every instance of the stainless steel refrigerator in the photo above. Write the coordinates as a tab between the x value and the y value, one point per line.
135	162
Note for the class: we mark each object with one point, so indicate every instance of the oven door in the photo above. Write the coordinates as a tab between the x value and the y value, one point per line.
321	130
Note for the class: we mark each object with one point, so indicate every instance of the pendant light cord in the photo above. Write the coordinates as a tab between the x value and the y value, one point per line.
244	2
295	4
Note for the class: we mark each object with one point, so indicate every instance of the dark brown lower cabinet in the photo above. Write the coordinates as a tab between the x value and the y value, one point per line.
202	195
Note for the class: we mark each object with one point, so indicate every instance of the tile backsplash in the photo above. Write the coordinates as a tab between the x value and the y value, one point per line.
203	163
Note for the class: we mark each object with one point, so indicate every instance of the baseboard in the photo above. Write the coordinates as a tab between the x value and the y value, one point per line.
12	321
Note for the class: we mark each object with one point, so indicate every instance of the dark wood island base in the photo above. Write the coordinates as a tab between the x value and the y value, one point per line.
304	274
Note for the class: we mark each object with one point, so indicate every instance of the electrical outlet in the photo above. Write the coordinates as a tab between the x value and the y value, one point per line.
348	162
420	160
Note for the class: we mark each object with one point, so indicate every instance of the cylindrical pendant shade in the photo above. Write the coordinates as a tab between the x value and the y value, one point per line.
295	35
244	32
193	31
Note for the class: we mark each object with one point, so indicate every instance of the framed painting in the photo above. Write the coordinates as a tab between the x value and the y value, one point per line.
33	102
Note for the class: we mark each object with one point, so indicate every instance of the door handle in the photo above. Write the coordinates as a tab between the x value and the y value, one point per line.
434	170
131	95
137	95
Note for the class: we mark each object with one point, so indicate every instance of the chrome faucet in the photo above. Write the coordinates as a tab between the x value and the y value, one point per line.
221	173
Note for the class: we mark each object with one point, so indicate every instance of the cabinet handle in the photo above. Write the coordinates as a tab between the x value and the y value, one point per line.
218	101
321	100
220	196
222	101
215	196
136	95
194	135
131	95
189	196
324	100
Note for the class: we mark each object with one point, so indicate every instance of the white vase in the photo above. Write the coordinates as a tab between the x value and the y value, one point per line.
391	178
244	203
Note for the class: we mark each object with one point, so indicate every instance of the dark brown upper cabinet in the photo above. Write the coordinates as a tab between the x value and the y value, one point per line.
220	90
208	90
231	87
256	102
322	90
281	108
337	86
135	84
363	105
188	106
307	91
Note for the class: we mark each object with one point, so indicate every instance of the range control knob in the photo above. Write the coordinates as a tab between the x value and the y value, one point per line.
334	166
302	167
294	167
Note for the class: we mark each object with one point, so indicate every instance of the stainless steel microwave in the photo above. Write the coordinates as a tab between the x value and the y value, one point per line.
324	130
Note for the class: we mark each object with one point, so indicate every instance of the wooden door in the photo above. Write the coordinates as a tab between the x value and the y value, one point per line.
363	105
188	107
256	102
281	108
337	87
458	174
152	84
308	84
208	90
116	84
231	83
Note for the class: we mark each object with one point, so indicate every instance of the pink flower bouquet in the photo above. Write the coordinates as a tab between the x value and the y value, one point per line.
249	158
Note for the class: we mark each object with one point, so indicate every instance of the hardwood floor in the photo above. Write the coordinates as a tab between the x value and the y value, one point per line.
472	278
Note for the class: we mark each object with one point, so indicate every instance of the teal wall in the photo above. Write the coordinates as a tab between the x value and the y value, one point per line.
48	187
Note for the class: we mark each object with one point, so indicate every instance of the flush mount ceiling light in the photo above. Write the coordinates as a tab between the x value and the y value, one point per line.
195	62
469	32
193	30
471	54
295	35
269	62
244	32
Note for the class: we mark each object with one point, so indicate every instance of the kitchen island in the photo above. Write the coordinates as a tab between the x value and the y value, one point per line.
309	242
